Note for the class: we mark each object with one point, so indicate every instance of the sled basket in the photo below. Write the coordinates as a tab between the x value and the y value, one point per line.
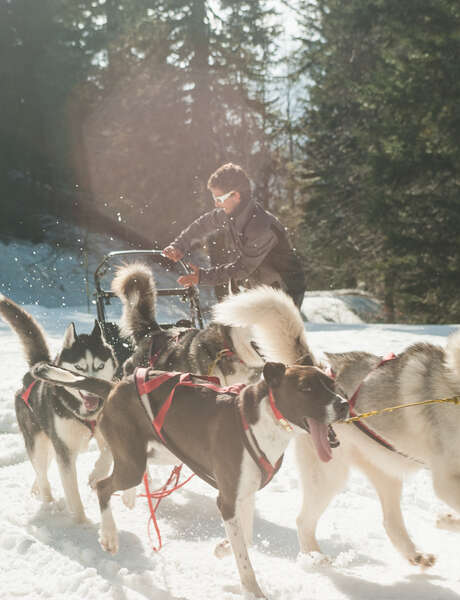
185	300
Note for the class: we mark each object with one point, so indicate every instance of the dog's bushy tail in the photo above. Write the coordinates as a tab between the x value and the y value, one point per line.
274	319
135	285
30	333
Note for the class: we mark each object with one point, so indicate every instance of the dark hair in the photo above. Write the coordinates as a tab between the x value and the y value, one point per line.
231	177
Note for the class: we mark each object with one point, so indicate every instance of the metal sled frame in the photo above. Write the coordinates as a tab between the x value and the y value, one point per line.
189	295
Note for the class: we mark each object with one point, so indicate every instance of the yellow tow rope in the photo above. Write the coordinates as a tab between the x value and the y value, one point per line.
372	413
218	358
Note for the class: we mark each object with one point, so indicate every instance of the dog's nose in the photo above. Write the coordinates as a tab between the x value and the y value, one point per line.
341	407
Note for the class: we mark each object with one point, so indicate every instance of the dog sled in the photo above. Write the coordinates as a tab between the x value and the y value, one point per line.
181	309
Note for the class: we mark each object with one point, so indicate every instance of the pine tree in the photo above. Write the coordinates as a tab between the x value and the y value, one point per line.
380	128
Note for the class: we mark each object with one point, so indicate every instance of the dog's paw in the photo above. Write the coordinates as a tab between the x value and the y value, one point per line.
79	518
448	522
129	498
93	478
109	541
425	561
223	549
313	560
45	496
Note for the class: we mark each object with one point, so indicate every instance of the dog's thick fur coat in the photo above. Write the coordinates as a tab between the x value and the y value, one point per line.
423	436
57	420
223	351
206	426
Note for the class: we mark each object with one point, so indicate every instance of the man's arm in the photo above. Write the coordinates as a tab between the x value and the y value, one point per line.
251	257
200	229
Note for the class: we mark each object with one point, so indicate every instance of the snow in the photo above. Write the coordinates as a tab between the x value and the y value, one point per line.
44	555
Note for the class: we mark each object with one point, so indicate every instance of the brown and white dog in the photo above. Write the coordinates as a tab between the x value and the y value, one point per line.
232	440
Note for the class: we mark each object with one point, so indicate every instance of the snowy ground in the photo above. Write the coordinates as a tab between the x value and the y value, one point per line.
44	555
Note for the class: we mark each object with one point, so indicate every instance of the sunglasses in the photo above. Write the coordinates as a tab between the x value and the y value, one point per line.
221	199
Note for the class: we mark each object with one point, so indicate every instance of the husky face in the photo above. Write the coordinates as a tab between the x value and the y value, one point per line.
91	356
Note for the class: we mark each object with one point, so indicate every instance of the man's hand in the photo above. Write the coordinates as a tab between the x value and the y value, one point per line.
172	253
191	279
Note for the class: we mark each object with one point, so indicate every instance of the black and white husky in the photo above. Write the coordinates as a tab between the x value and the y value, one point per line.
219	350
60	419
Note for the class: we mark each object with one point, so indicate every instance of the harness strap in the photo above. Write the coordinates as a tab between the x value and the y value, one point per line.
352	402
145	386
252	446
26	393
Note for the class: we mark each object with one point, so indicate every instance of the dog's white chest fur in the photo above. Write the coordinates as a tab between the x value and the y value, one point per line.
75	434
272	439
269	433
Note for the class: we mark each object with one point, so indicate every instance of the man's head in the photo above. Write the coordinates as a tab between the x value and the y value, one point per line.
229	185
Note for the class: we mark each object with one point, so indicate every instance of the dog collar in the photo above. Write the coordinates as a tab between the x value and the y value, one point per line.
276	412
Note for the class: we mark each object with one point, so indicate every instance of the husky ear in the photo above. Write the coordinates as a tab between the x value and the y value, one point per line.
97	330
70	336
274	373
305	361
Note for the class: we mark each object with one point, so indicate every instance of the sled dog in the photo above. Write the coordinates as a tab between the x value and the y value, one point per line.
59	419
225	352
415	437
227	438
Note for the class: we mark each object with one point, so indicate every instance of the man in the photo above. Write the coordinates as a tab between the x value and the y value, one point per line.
257	248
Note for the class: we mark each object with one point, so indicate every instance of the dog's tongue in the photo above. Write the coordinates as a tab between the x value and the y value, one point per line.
91	401
318	432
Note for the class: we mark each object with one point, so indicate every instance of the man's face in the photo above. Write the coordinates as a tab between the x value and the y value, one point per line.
226	200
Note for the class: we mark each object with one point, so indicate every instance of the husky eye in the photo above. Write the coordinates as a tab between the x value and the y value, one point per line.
79	368
99	367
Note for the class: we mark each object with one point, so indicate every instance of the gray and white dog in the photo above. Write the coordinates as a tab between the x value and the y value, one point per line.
60	419
404	441
219	350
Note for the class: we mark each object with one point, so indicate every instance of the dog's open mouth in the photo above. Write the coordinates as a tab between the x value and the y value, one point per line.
323	437
91	401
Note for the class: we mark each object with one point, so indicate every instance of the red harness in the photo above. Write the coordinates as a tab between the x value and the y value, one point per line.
145	386
26	395
352	402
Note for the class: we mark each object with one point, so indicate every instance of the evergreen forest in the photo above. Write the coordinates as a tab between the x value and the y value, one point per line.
346	116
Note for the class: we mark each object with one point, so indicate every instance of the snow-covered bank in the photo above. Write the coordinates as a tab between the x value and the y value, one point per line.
44	555
60	273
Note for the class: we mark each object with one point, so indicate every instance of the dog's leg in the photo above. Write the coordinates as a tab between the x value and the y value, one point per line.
446	484
102	464
320	483
235	534
448	522
389	490
68	471
129	498
129	462
40	457
245	513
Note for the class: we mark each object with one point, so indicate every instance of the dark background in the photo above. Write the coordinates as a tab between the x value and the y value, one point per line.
114	115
